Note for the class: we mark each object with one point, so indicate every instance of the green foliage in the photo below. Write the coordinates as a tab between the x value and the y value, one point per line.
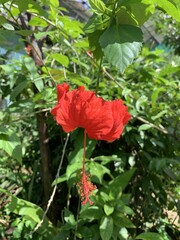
137	176
10	143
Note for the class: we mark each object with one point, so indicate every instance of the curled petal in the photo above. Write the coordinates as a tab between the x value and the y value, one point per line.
120	118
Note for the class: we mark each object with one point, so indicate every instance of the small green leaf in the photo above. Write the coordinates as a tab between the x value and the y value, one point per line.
92	212
149	236
69	217
106	228
39	84
155	95
144	127
18	89
35	77
30	65
62	59
8	26
97	6
59	179
11	143
140	102
108	209
36	21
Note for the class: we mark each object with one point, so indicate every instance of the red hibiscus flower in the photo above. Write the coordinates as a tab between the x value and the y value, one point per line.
101	120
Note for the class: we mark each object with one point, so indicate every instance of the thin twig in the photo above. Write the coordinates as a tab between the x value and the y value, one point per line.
54	189
162	129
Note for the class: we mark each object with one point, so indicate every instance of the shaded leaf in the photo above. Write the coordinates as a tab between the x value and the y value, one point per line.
92	212
18	89
122	181
122	221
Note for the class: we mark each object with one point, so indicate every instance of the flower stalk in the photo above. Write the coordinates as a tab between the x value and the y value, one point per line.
85	187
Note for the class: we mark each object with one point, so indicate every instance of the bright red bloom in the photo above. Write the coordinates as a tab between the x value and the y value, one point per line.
102	120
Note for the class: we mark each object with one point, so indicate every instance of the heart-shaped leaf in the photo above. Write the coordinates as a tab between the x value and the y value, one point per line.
121	44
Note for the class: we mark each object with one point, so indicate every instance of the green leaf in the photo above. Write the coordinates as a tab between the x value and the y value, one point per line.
122	181
97	171
36	21
24	32
144	127
29	211
30	65
96	23
11	143
2	20
122	221
8	26
69	217
125	17
35	77
92	212
54	3
140	102
106	159
94	43
169	8
59	179
150	236
77	154
62	59
106	228
18	89
155	95
134	7
30	6
108	209
121	44
97	6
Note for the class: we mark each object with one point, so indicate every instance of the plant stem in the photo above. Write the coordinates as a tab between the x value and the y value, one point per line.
99	73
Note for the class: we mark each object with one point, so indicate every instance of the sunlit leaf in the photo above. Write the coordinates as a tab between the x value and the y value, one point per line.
62	59
11	143
121	44
150	236
106	228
